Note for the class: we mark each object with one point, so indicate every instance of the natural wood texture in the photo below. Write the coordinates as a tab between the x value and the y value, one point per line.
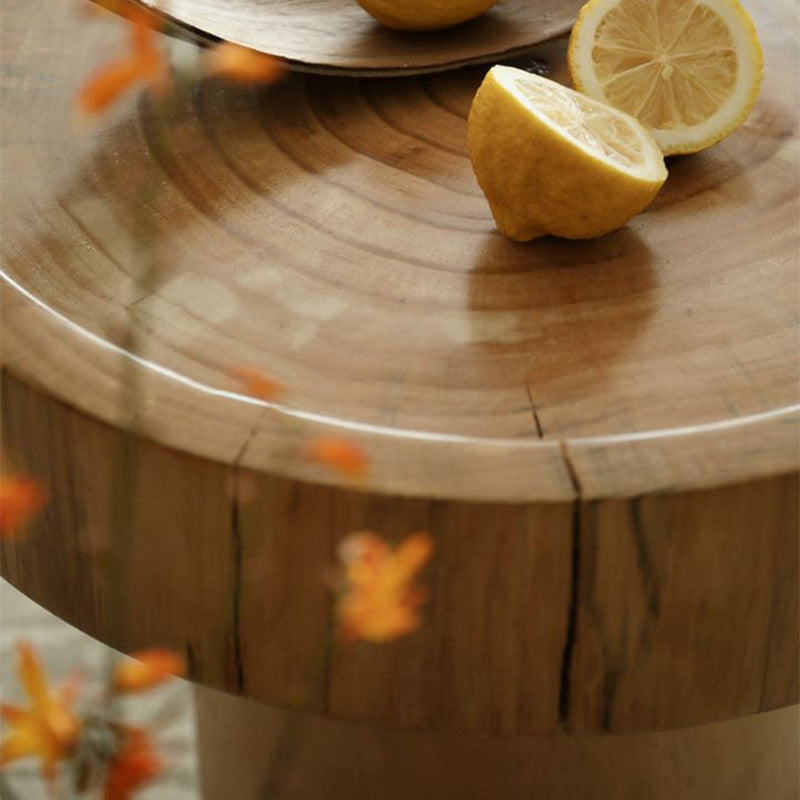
331	232
601	437
232	428
748	759
339	36
658	575
496	629
182	569
656	612
487	680
704	456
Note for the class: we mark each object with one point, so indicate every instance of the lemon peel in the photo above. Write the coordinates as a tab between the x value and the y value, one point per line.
689	70
552	161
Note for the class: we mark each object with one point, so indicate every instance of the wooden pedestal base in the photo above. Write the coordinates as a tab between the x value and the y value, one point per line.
753	758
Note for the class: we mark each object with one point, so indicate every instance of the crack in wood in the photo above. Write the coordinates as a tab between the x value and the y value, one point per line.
644	558
572	618
236	543
571	471
192	664
236	535
564	692
537	421
248	440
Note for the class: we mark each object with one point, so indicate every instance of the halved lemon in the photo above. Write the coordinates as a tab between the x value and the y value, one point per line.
689	70
552	161
424	15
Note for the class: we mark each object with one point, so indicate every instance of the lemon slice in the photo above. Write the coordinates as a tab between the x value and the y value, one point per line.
552	161
689	70
424	15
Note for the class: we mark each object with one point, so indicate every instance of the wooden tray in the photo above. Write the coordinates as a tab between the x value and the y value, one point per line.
339	36
600	436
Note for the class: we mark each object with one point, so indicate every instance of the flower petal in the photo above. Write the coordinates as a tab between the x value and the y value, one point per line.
47	729
22	742
32	677
380	601
134	764
21	498
13	714
147	668
242	65
257	383
107	85
412	554
342	455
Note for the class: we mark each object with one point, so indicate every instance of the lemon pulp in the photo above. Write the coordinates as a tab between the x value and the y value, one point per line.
551	161
689	70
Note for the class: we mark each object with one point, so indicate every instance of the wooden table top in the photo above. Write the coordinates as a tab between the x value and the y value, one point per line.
330	232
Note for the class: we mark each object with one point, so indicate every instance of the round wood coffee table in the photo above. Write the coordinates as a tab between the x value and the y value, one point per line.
601	437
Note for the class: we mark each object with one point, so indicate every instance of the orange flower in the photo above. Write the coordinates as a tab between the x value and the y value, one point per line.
126	8
256	383
144	63
342	455
21	498
379	602
242	65
146	669
48	728
134	764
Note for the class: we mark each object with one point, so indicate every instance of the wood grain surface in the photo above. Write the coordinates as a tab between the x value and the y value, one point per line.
748	759
612	616
330	232
339	36
600	436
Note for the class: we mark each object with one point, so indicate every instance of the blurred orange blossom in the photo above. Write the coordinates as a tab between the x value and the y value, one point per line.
47	728
147	668
134	764
242	65
344	456
379	602
256	383
144	63
147	63
21	498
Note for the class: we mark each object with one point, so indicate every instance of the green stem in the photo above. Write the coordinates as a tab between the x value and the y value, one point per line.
125	481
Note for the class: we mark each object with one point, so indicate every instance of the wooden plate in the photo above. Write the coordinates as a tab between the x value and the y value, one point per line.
330	232
339	36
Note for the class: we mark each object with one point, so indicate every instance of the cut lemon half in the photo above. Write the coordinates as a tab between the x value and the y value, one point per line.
552	161
689	70
424	15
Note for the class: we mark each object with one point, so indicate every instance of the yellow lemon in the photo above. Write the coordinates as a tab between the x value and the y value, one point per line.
552	161
424	15
689	70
